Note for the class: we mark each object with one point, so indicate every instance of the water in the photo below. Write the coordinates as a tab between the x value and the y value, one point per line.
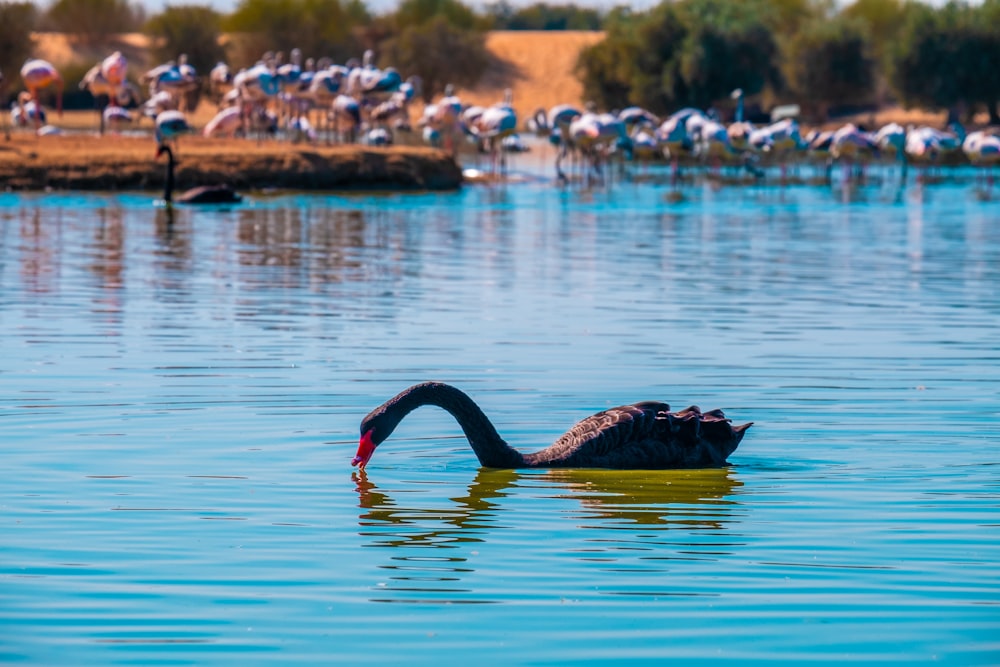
180	398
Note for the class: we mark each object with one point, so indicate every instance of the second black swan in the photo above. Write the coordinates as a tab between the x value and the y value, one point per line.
640	436
203	194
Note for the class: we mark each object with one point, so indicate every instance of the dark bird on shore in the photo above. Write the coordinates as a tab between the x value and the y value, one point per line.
204	194
641	436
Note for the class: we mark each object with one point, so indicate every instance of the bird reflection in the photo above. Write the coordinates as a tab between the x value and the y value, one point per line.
433	551
471	515
692	499
687	499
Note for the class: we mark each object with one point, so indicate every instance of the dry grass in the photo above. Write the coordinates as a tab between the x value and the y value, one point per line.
536	66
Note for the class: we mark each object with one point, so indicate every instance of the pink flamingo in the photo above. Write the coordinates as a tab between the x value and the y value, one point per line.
38	74
227	122
114	68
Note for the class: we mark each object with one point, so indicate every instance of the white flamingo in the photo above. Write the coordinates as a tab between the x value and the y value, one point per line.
595	135
853	147
925	146
114	68
891	140
673	137
158	103
346	116
323	87
116	118
38	74
492	126
982	150
25	111
220	81
445	118
169	126
559	119
778	141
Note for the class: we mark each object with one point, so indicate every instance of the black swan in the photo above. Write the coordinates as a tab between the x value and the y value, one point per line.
204	194
641	436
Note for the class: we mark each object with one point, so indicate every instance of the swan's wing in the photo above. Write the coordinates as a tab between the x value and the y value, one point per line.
606	438
644	436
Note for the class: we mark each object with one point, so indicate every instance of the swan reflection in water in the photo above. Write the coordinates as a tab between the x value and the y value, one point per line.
431	546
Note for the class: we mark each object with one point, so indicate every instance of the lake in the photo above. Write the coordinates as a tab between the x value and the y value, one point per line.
180	394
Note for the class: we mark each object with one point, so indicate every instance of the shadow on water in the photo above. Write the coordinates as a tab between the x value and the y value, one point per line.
434	549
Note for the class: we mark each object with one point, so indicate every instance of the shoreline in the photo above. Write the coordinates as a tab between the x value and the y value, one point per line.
90	162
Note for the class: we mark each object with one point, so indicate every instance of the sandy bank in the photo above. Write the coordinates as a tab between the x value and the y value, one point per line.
124	163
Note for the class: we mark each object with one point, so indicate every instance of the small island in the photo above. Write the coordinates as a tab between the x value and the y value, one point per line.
90	162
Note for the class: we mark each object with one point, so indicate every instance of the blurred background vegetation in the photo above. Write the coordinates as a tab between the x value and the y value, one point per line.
829	57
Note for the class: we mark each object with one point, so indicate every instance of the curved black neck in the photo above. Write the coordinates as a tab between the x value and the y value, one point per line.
168	188
491	450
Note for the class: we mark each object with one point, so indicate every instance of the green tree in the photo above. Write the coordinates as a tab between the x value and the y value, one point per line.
189	29
729	45
413	13
883	19
93	22
317	27
830	62
946	58
17	21
543	16
439	53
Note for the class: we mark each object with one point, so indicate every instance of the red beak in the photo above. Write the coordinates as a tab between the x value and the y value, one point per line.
365	450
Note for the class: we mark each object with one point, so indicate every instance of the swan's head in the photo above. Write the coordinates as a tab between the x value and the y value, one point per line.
375	428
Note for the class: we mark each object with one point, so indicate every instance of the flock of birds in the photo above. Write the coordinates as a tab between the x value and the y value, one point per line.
695	136
361	102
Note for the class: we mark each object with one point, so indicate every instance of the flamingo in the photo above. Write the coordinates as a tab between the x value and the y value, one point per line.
925	145
227	122
818	144
891	140
851	145
114	68
513	143
983	150
346	110
170	125
300	129
445	117
538	123
38	74
778	140
115	117
220	81
594	133
644	144
178	81
432	137
493	125
116	89
378	136
324	85
673	137
158	103
559	119
25	111
710	139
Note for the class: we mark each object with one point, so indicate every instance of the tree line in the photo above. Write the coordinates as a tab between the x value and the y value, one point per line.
823	55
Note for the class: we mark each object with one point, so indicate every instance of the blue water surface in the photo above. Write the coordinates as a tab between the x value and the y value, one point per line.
180	393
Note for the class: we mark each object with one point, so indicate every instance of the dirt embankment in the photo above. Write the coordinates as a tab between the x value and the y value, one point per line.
85	162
